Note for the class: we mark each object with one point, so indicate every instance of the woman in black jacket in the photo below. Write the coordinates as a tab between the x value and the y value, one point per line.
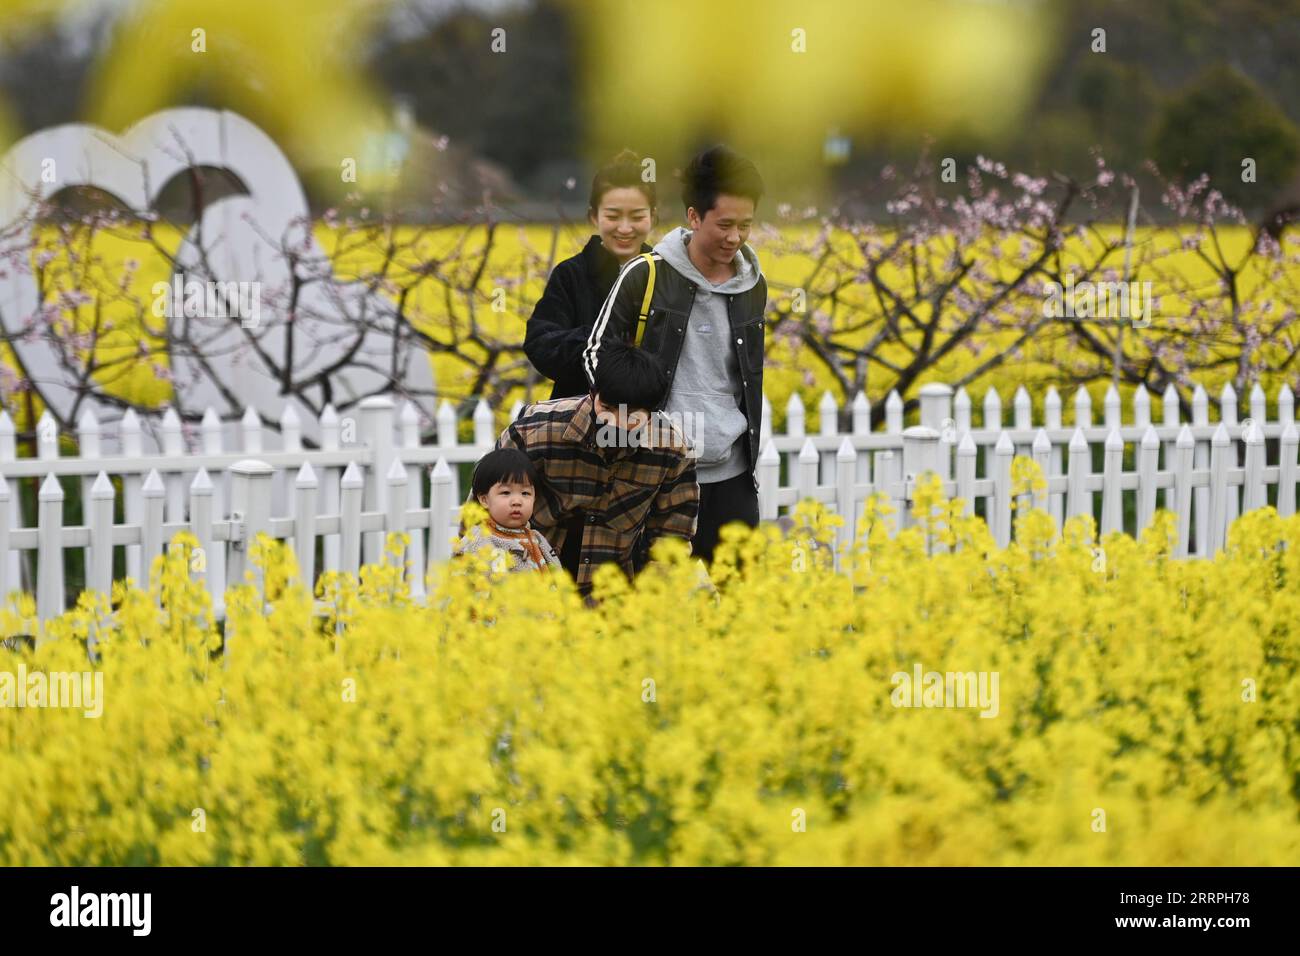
622	209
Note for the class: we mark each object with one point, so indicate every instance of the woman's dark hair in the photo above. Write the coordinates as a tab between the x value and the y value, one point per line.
621	172
504	464
715	171
631	376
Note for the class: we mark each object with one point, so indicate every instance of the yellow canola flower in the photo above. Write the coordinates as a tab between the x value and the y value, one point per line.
1144	711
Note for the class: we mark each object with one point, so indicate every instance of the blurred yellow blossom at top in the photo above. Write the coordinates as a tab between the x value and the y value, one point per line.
294	67
777	74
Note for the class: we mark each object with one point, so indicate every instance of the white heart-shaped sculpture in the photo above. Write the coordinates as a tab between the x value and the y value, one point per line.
343	341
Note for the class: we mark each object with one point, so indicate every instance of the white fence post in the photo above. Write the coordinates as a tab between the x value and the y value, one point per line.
1184	447
1003	452
992	422
173	446
409	422
1148	453
1077	498
250	428
351	488
305	501
765	426
395	519
1253	493
1169	407
1285	404
290	440
17	566
99	515
769	478
88	448
936	413
1083	419
806	471
47	449
928	454
1022	413
1258	404
446	420
992	410
215	554
1112	497
49	555
250	515
47	437
201	497
151	525
1220	446
1287	447
1112	410
329	484
8	576
920	456
845	504
1200	462
1141	406
440	498
861	426
484	431
1042	453
1228	417
828	426
893	413
961	418
887	469
377	429
888	478
794	416
129	433
961	412
966	452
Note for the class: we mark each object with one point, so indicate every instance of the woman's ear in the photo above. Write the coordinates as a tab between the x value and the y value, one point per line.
591	218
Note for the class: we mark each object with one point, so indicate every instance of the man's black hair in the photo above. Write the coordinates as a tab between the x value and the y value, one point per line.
715	171
631	376
503	464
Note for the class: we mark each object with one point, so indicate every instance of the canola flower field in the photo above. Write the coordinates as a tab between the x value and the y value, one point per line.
1147	712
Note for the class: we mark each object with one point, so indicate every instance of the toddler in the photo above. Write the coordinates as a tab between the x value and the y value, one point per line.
505	483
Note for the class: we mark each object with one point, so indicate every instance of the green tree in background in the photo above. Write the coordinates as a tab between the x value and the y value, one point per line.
1218	121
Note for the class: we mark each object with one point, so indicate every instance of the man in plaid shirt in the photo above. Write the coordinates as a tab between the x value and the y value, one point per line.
615	475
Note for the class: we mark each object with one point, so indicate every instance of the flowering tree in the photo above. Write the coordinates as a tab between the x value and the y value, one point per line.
137	311
1035	273
956	281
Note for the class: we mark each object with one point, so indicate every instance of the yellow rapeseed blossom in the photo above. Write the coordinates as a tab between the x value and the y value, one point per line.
1144	708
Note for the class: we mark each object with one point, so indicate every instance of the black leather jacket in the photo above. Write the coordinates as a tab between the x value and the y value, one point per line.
561	322
665	332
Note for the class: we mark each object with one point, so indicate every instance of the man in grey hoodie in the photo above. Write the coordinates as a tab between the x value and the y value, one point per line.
697	303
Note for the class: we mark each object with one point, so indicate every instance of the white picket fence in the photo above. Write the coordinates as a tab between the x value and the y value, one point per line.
225	485
1194	470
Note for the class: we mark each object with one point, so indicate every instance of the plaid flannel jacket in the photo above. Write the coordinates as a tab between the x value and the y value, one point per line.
620	492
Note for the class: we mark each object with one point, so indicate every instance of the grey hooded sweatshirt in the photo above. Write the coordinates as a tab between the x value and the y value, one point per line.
706	394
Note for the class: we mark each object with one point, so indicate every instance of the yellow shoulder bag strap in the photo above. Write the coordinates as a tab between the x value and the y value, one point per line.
645	302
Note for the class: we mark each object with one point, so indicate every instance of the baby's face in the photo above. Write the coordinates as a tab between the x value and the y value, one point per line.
510	503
